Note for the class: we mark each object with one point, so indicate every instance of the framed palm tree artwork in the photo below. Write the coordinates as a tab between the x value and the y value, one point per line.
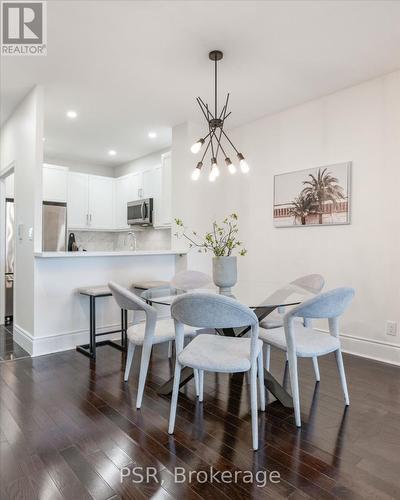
312	197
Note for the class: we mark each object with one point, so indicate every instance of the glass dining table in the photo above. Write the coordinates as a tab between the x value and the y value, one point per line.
261	297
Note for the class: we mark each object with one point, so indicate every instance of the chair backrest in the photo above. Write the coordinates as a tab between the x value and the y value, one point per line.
330	304
131	302
128	300
313	283
210	310
190	280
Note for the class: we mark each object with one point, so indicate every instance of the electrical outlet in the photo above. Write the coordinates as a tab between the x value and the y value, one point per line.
391	328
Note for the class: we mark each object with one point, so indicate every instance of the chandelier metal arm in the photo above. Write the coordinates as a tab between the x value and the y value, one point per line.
230	142
205	151
225	107
199	102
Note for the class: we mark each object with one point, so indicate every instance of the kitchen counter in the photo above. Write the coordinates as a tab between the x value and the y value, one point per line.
62	314
123	253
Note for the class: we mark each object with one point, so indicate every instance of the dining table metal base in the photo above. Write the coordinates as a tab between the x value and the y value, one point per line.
271	384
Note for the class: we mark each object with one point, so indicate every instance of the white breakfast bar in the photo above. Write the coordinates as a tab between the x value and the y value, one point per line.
62	314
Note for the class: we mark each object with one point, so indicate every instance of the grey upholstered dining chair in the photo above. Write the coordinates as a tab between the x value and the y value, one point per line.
302	341
216	353
152	331
312	283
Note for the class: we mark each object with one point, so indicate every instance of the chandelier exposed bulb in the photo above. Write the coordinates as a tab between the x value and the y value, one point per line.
214	172
231	167
196	171
214	167
197	146
244	166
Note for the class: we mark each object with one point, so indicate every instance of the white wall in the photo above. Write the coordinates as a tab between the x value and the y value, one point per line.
22	146
360	124
139	164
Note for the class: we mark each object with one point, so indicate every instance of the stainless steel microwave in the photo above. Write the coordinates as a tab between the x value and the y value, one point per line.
140	212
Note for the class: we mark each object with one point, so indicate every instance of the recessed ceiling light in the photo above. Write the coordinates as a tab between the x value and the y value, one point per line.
112	152
72	114
43	139
152	135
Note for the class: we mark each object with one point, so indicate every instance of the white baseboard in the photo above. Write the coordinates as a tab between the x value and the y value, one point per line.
37	346
377	350
371	349
385	352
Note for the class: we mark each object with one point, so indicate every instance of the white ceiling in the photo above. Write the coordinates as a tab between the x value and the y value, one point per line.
130	67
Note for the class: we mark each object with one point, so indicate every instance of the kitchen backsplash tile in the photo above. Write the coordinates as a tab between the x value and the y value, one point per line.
146	239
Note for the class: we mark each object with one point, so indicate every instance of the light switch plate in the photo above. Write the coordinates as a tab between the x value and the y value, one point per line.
30	233
391	328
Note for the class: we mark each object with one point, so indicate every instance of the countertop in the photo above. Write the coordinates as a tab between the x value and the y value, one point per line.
125	253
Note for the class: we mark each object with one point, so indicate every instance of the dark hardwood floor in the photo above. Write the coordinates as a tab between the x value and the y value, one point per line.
68	426
8	348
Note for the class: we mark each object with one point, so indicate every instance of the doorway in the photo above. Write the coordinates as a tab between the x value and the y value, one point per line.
9	349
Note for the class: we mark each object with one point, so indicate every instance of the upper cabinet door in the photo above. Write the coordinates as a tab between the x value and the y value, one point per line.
152	189
151	182
123	194
101	202
135	186
166	189
55	183
78	200
9	182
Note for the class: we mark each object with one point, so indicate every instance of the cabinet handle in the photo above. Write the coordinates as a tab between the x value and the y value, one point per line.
90	218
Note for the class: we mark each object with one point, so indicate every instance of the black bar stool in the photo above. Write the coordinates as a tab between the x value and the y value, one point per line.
90	349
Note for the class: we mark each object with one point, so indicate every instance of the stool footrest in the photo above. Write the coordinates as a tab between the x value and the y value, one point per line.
85	348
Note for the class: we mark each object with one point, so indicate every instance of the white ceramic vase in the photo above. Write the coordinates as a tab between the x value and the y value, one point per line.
224	273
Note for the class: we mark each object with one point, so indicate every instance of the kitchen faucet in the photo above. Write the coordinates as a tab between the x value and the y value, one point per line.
132	241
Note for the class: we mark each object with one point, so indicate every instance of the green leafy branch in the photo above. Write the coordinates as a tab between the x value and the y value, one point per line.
222	240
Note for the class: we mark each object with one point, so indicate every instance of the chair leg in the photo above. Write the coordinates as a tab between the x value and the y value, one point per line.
201	385
261	385
316	368
129	358
339	362
267	356
196	381
170	349
174	399
294	382
253	398
144	365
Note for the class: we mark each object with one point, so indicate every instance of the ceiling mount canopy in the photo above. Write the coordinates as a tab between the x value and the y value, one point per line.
216	133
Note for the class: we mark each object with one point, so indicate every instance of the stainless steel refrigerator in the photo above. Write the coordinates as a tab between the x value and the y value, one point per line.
9	264
54	240
54	227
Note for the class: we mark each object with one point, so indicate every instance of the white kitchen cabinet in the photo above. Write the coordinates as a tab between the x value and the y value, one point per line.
78	200
90	201
166	190
152	189
136	186
101	202
127	188
9	184
55	183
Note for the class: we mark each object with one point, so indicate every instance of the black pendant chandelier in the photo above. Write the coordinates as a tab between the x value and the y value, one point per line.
216	132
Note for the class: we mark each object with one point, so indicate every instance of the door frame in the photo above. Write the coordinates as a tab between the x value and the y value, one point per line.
3	175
